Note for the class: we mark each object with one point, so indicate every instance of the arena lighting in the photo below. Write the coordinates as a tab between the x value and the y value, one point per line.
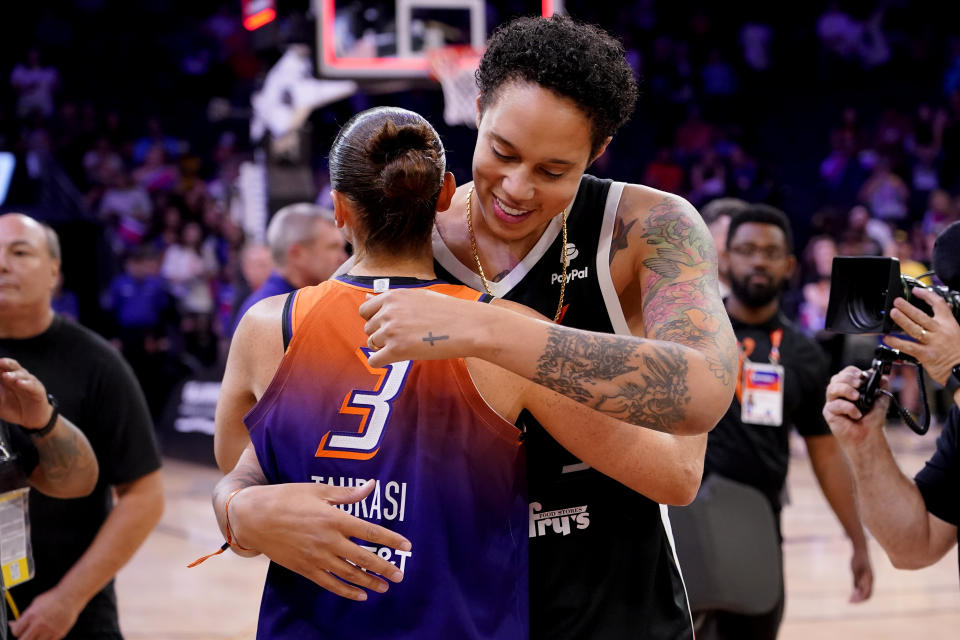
257	13
8	162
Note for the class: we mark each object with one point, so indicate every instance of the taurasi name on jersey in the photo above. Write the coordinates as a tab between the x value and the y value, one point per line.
388	501
559	520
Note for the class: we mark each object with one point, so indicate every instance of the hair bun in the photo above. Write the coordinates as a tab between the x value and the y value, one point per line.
391	163
408	159
391	141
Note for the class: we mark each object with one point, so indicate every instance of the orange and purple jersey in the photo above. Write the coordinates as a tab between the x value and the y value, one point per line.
450	477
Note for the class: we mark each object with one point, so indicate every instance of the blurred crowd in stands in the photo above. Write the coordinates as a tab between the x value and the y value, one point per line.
844	114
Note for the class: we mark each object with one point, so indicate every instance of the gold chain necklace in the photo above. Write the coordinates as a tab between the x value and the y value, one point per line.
476	254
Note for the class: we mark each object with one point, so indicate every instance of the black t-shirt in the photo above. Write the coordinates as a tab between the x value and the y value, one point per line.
757	455
939	480
96	391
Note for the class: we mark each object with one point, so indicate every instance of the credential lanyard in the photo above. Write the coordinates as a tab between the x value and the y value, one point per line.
761	401
775	338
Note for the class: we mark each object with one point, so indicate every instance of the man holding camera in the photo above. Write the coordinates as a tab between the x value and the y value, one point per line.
915	521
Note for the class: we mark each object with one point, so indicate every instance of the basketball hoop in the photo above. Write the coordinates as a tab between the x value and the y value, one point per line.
454	68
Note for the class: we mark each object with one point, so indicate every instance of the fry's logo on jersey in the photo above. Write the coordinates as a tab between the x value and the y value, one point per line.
575	274
559	521
373	407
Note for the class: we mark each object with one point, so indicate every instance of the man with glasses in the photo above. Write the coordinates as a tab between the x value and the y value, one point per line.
781	382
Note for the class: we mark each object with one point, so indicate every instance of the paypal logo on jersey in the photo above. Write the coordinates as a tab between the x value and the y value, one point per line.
573	274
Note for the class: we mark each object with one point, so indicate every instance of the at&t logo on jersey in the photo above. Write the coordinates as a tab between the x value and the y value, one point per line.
561	521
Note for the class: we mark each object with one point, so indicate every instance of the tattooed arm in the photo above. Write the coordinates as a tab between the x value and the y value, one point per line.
680	295
647	383
66	465
666	249
664	267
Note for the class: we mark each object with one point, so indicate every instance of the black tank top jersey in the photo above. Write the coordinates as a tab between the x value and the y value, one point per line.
602	563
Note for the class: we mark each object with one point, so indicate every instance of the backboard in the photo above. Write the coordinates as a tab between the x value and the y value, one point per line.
389	39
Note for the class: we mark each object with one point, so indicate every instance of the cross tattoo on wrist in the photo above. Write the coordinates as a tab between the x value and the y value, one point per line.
432	338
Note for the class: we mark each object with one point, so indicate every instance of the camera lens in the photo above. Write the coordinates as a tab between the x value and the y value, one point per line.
867	312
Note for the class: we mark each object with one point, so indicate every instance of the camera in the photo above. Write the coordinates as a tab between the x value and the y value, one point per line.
862	291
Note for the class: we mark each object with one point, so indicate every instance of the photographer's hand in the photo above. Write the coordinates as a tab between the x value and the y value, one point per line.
937	345
889	502
848	424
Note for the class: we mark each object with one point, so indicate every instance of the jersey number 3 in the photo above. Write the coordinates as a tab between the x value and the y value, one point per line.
374	408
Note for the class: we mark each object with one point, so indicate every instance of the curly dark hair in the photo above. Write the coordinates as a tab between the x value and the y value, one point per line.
573	59
762	214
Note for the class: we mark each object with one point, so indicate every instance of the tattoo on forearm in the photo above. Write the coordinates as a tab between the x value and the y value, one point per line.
585	367
681	303
432	338
62	454
660	403
574	359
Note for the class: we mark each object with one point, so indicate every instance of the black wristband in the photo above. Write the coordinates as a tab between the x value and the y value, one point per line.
47	428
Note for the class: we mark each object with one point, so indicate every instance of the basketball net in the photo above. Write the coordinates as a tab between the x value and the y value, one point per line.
454	68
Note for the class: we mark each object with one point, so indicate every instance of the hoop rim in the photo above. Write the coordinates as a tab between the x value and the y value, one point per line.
446	62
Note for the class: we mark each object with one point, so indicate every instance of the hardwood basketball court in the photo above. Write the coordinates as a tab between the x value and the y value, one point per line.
161	599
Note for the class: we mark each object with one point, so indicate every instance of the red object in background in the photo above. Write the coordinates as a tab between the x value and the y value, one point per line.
257	13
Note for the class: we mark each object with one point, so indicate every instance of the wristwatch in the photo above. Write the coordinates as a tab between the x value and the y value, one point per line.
47	428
